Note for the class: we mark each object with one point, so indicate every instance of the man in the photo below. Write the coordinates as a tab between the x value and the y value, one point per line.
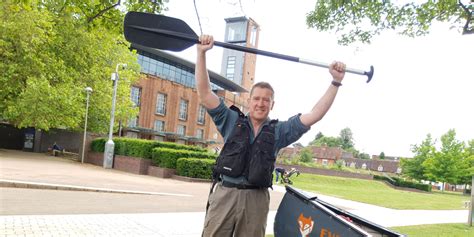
240	202
279	172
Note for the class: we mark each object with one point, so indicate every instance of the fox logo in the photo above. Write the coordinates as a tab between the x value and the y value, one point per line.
306	225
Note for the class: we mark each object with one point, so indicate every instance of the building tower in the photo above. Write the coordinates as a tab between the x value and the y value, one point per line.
237	66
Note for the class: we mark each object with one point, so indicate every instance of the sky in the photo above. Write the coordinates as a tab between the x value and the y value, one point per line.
421	85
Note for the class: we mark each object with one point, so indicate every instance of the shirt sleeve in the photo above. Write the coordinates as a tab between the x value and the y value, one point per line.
290	131
224	119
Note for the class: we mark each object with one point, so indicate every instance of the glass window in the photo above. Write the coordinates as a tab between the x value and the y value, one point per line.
181	130
236	31
230	67
133	122
201	115
200	133
183	110
253	36
159	126
135	95
325	162
161	104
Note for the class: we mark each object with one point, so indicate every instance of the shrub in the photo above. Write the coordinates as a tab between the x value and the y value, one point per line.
98	144
140	147
395	181
166	158
195	167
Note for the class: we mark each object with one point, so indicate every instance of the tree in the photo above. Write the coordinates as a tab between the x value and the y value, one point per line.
445	165
306	155
382	155
361	20
347	141
51	50
363	156
413	167
467	164
326	141
319	136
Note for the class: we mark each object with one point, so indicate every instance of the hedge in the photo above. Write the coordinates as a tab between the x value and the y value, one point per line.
167	158
404	183
139	147
195	167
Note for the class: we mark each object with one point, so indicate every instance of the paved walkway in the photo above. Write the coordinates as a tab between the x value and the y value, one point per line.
32	170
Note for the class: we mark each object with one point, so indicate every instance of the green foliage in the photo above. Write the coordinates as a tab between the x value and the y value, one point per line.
51	50
460	229
167	158
347	141
305	155
382	155
195	167
404	183
144	148
326	141
444	165
413	167
98	144
377	193
364	156
453	163
361	20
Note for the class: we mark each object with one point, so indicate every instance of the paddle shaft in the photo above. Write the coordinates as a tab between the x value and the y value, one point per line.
194	39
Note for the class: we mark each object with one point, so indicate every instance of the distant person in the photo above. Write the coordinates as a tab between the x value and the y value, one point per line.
56	149
239	201
279	171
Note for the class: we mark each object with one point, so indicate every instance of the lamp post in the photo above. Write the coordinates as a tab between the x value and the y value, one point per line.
109	146
88	92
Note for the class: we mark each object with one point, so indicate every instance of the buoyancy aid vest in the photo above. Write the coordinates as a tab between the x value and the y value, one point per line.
254	161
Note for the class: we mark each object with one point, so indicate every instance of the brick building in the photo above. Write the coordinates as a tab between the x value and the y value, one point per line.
166	94
329	155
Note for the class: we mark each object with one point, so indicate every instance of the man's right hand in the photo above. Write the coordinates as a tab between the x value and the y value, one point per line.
207	42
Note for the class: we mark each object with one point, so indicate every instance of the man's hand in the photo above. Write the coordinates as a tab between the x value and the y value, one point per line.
207	41
337	70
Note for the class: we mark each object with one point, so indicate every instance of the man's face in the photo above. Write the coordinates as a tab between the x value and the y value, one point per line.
260	103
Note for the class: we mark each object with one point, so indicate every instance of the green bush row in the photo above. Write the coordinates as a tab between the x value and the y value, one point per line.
167	158
139	147
404	183
195	167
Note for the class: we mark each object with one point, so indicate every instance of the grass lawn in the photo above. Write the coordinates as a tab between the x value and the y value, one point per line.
378	193
438	230
452	230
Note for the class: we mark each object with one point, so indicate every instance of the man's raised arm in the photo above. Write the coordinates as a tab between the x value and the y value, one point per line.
337	70
206	96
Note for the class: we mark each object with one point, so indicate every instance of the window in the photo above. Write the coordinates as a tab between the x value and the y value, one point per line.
253	36
159	126
364	166
236	31
133	122
200	133
183	110
135	95
201	115
230	67
380	168
161	104
181	130
325	162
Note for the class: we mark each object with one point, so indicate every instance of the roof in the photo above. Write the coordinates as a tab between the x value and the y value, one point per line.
215	78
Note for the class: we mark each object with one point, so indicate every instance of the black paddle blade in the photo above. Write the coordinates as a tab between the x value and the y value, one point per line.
158	31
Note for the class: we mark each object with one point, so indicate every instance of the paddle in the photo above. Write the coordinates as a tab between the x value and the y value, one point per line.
167	33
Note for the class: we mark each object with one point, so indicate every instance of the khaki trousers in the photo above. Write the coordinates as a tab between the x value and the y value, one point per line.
237	212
